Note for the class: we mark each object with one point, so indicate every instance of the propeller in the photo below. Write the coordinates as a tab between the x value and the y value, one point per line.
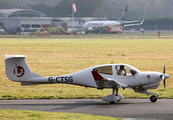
164	76
164	82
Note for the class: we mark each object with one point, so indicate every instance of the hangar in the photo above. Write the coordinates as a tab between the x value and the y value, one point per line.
20	13
31	19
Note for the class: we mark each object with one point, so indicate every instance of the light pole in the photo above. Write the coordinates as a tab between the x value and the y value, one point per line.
73	18
18	8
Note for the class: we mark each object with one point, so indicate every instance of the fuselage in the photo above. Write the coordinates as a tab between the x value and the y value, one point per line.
101	23
134	77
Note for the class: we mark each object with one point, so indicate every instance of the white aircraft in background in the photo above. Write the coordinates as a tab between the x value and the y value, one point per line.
121	21
112	76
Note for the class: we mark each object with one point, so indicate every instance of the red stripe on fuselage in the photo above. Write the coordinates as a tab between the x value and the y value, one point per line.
97	76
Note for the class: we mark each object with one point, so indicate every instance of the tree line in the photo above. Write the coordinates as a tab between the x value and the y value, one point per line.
155	12
110	9
158	24
85	8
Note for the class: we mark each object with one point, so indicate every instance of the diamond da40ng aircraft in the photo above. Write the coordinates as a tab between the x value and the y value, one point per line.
112	76
120	21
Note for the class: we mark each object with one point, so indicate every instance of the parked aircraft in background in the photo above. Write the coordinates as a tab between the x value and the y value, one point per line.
121	21
112	76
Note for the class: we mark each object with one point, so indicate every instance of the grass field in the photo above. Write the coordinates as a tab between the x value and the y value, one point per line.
38	115
53	57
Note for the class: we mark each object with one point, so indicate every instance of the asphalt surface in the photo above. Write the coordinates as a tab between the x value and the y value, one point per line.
129	109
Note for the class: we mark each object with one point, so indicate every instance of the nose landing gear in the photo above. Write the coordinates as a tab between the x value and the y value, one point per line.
153	98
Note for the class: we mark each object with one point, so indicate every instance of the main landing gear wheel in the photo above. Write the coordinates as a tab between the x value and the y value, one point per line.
112	102
153	98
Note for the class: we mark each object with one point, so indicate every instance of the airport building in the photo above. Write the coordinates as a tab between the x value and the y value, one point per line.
31	19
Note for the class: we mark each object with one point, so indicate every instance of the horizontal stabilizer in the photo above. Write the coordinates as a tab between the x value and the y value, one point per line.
30	83
134	24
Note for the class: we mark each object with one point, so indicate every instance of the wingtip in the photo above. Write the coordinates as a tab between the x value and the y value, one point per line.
142	21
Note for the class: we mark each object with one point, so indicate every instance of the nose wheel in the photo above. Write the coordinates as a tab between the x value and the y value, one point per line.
153	98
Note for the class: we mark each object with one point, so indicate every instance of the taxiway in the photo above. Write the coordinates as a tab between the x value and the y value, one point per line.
130	109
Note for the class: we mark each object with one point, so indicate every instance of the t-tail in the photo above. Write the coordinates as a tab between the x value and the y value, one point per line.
124	15
17	69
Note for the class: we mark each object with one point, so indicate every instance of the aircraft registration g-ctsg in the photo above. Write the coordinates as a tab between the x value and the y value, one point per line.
113	76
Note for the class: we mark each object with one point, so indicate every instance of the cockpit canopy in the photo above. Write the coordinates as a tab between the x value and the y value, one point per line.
109	70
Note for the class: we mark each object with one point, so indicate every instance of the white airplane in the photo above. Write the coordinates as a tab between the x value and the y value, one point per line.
112	76
120	21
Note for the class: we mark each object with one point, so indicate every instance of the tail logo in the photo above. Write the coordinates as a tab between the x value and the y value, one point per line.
19	71
124	14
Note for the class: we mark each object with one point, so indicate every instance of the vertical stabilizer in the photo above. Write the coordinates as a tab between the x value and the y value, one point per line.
17	68
124	15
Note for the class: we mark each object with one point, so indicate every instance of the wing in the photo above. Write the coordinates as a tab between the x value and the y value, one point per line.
106	82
